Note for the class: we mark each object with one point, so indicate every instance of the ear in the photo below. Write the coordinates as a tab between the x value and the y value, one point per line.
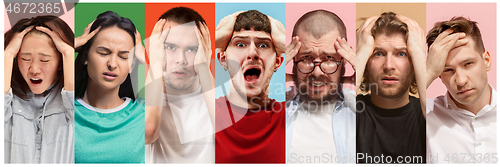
487	60
279	61
221	56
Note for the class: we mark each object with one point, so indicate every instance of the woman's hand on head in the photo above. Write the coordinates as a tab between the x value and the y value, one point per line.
15	44
139	48
61	46
86	35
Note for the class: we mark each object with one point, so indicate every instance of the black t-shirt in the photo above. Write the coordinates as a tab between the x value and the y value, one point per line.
396	134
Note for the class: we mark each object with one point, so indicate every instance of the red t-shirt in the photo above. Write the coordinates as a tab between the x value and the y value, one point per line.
249	135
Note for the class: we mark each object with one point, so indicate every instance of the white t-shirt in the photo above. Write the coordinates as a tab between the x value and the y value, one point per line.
186	133
313	140
455	135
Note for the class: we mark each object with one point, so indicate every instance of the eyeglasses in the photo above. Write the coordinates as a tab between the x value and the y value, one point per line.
327	66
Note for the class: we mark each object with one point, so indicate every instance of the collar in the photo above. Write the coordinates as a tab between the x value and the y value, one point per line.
451	105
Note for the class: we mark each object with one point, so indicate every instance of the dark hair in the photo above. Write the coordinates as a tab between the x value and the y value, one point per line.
388	24
252	19
54	24
183	15
458	24
319	22
103	20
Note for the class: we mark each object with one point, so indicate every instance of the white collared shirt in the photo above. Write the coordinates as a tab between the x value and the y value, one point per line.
455	135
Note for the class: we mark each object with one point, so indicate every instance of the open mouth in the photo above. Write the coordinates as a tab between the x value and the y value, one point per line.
252	74
36	80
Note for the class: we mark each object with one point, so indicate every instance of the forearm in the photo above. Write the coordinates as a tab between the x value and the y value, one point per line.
69	71
207	87
7	69
430	76
154	85
420	76
362	57
152	123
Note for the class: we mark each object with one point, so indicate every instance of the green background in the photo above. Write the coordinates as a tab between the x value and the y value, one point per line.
85	13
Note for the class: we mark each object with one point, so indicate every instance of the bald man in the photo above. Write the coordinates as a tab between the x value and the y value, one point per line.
320	116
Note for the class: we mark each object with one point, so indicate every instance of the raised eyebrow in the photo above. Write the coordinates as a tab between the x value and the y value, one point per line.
402	49
241	36
264	38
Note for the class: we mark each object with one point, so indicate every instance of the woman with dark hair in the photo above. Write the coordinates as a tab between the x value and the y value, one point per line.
109	119
39	91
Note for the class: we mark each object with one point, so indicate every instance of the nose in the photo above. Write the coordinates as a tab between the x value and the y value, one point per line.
253	53
112	64
389	63
461	78
317	68
181	59
34	69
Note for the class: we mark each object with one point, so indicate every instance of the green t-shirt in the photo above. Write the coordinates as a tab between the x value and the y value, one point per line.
109	135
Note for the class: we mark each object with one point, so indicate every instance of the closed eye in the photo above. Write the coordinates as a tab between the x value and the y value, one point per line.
124	58
468	64
45	61
25	59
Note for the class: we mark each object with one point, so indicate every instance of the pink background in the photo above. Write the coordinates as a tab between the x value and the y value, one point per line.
484	14
346	12
68	17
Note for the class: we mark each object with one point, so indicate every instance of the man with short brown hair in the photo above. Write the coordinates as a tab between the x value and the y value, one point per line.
461	123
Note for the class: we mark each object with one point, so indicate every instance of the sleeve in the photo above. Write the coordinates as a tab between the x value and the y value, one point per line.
7	125
68	98
429	106
8	105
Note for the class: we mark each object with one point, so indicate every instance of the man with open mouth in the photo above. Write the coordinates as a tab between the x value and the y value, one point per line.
250	126
320	114
390	123
463	121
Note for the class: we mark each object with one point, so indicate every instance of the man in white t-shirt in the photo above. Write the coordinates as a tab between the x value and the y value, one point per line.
179	126
461	125
320	113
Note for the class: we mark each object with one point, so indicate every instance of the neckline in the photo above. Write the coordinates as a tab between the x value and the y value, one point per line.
105	111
